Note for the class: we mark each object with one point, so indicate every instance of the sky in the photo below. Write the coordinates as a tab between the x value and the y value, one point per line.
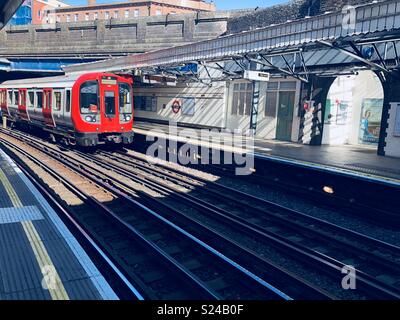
221	4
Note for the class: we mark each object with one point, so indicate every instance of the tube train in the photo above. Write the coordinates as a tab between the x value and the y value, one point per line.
84	110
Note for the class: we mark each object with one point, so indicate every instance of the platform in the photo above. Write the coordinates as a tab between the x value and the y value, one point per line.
362	161
39	257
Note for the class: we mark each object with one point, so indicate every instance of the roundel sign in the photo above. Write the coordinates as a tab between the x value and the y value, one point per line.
176	106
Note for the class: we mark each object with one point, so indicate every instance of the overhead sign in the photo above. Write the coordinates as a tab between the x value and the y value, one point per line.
159	79
256	75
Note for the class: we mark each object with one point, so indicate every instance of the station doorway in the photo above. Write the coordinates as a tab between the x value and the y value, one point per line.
353	111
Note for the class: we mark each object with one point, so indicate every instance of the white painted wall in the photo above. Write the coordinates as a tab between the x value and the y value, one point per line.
209	103
393	140
353	90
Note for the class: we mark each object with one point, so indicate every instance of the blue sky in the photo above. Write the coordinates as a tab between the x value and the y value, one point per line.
221	4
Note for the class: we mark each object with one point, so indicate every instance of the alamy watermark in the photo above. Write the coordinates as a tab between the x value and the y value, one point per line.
204	146
49	281
350	278
349	17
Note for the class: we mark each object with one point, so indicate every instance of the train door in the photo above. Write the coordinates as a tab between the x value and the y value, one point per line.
285	115
110	113
67	107
22	111
47	112
3	101
58	112
30	104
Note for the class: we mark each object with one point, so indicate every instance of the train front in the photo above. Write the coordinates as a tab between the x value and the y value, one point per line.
103	109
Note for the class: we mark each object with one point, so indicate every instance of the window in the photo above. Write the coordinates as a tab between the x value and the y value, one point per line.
31	99
188	106
39	14
89	97
136	13
146	103
242	99
109	103
86	16
68	101
57	101
107	15
95	16
271	100
288	85
76	17
126	14
16	97
10	97
125	103
58	18
68	18
116	14
39	99
158	12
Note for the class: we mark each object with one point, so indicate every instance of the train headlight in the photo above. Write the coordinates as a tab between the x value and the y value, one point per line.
127	118
88	119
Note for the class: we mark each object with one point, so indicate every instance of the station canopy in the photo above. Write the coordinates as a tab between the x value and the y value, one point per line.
363	37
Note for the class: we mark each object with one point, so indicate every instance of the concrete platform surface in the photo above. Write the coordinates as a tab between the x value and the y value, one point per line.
357	160
39	257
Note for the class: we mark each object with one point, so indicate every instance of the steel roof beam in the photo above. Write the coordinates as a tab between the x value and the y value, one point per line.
353	55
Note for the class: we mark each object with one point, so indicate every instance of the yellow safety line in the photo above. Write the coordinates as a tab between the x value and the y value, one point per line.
49	272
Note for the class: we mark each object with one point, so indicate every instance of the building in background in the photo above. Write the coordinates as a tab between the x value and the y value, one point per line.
23	14
126	10
42	10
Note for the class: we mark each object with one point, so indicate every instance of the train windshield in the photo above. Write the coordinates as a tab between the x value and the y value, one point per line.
89	97
125	98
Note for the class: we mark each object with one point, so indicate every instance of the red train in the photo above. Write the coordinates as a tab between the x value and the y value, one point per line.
86	109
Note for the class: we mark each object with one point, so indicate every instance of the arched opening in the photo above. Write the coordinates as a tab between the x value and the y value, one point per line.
353	111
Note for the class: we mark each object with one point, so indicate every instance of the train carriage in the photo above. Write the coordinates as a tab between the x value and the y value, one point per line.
86	110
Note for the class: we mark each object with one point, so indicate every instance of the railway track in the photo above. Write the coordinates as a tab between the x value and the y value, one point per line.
193	268
265	220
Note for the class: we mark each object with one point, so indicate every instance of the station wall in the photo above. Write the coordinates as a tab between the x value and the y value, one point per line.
190	104
225	105
354	110
393	131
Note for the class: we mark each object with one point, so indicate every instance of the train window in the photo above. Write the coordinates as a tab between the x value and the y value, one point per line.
10	98
10	95
89	97
68	101
57	101
39	99
125	102
16	97
109	103
31	99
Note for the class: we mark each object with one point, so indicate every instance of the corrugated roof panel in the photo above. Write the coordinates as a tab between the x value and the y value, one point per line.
371	18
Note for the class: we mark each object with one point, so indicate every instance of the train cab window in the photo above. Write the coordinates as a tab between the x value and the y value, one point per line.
89	97
39	99
125	98
68	101
31	99
57	101
109	103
